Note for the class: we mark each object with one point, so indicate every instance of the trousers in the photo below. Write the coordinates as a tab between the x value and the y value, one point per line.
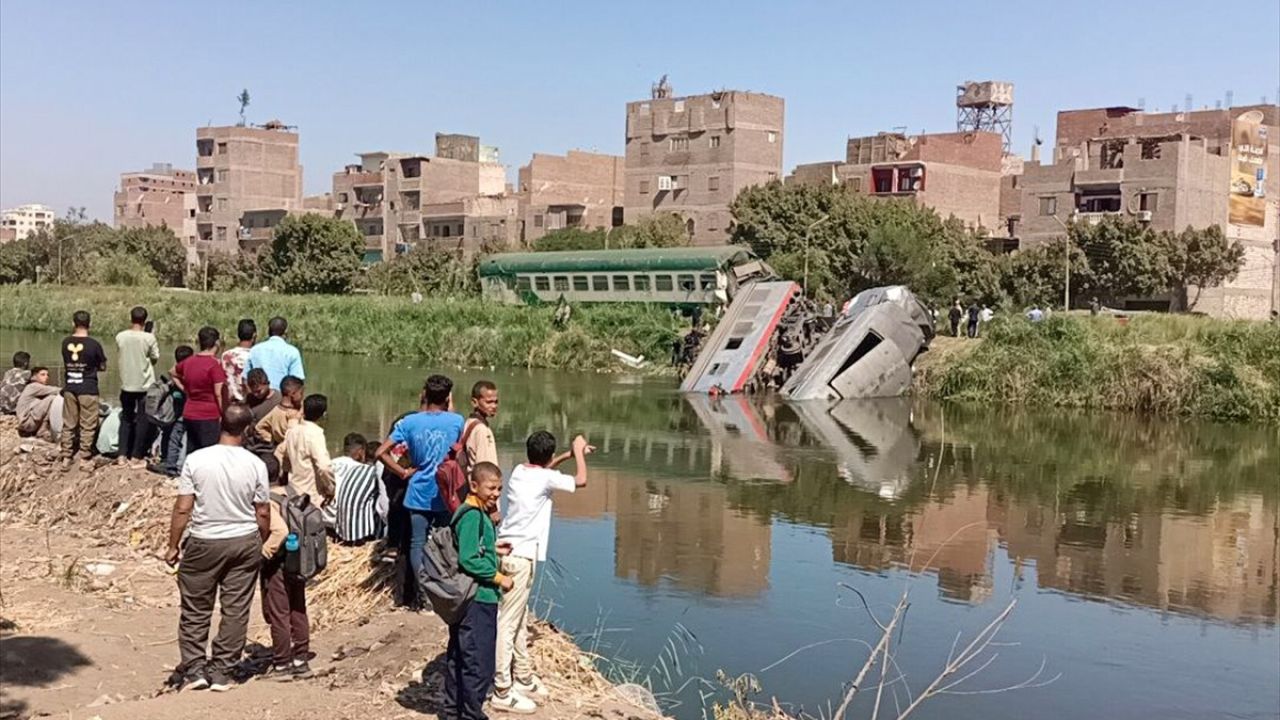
79	424
513	623
469	660
137	434
284	607
225	571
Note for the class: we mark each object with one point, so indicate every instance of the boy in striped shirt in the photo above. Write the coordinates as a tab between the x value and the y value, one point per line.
354	512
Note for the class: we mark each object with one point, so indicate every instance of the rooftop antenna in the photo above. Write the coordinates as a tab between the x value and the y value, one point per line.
243	99
1036	142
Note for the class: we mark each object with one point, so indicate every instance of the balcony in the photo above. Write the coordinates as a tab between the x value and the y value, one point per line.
1093	218
365	179
1093	178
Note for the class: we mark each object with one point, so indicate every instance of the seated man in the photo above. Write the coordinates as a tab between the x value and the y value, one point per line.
39	406
355	515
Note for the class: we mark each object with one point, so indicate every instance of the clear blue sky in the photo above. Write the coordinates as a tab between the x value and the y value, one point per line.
91	89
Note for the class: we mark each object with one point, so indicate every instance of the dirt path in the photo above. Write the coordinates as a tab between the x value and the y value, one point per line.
88	619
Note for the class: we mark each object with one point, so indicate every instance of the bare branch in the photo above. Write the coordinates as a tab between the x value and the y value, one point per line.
871	659
865	604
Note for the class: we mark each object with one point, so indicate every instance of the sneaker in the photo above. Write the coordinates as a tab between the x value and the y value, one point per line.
219	681
279	671
190	680
532	688
512	702
301	670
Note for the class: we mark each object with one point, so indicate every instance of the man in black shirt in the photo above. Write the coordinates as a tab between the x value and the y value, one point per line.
82	360
953	315
973	312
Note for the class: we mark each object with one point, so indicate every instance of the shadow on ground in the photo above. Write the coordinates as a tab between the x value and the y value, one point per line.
426	695
33	661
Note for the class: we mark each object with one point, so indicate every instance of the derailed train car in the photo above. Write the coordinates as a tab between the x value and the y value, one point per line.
870	350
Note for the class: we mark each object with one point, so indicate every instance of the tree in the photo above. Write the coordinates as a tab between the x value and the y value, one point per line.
651	231
1125	258
1200	259
571	239
426	270
156	246
313	254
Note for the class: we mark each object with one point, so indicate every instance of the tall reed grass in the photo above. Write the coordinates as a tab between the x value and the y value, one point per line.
460	331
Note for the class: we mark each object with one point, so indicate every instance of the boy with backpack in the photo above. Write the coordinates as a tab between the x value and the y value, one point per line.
526	529
284	594
473	614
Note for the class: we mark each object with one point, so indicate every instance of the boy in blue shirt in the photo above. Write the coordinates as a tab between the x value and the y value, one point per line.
473	639
427	434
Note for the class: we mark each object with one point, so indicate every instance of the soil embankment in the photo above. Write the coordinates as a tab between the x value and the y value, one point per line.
88	617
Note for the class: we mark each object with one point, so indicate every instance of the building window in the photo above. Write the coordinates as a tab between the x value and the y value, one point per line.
223	175
221	233
663	283
707	282
542	282
773	137
713	141
677	143
644	108
222	148
713	183
1148	201
222	203
523	284
537	221
621	283
461	230
855	183
882	180
600	283
644	187
1049	205
910	179
562	283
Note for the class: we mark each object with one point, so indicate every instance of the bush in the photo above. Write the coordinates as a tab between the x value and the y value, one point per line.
313	254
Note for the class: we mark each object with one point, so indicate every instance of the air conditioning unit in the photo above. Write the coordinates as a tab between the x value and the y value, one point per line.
1144	216
339	206
665	182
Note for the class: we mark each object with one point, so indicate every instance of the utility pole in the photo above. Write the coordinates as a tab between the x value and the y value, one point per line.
807	232
1066	262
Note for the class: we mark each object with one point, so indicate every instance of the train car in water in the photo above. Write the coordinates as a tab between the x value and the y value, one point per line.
673	276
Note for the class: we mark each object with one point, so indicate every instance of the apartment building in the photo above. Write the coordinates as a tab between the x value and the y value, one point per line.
17	223
1171	170
575	190
156	196
399	199
955	173
241	169
692	155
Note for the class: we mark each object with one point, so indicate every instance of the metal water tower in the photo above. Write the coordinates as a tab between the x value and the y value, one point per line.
986	107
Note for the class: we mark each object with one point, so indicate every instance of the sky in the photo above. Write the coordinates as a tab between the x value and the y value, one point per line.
92	89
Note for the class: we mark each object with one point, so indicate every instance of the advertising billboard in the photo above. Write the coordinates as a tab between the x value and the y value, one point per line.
1247	204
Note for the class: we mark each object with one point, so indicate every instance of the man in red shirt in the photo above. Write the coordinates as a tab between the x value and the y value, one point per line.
202	378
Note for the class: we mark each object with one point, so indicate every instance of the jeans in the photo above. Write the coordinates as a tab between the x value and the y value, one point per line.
202	433
136	432
174	448
415	543
469	663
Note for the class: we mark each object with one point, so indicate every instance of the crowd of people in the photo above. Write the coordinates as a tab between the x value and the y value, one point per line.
249	452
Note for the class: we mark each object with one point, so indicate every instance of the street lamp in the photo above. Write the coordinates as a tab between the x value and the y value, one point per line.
807	232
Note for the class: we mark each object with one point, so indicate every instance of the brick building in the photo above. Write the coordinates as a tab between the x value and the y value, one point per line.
692	155
954	173
399	199
155	197
239	169
576	190
1171	170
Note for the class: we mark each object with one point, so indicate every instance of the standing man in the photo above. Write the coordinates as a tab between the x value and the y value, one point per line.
139	354
201	378
223	504
973	313
235	360
481	446
276	355
306	454
427	435
82	359
953	316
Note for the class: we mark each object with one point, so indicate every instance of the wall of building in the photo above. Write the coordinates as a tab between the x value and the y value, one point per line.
592	184
240	169
154	197
714	144
24	220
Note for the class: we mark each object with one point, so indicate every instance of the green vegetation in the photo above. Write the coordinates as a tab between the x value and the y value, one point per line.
459	331
844	242
85	253
313	254
650	231
1169	365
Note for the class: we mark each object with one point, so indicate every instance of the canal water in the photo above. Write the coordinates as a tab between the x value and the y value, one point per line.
1144	555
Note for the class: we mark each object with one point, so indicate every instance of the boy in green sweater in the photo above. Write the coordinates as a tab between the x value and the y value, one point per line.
470	659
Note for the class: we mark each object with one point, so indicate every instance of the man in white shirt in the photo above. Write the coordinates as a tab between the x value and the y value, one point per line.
526	527
223	508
